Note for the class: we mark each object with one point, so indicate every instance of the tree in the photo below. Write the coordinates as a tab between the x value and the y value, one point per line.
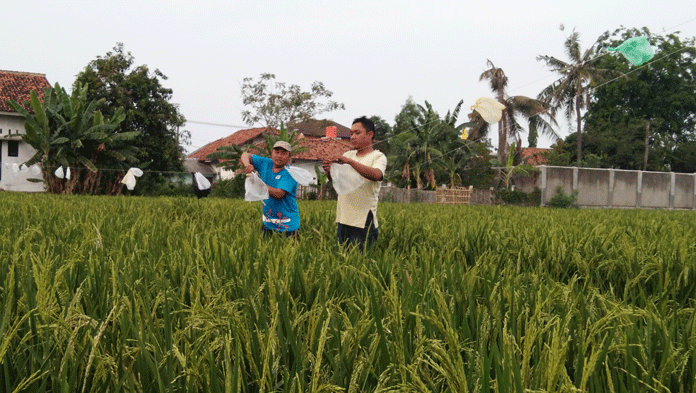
69	131
273	102
539	118
652	109
383	131
147	107
419	150
572	90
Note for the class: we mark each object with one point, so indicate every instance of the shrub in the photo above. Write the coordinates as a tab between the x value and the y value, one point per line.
231	188
562	200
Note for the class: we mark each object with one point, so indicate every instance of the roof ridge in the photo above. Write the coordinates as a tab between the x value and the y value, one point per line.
23	73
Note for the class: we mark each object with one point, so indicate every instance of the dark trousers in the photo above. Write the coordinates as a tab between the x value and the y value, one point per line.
349	235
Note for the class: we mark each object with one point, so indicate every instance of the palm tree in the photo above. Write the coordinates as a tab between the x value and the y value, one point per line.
572	90
539	118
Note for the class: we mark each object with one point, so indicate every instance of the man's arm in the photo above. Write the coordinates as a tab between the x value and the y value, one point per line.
365	171
326	164
247	162
276	193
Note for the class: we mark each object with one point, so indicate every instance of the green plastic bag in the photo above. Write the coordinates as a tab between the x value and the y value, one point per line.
637	50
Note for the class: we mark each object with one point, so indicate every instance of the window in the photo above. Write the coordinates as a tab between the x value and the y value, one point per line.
13	148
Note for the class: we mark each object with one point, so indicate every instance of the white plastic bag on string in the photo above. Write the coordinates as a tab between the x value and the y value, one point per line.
301	175
129	179
201	181
62	174
255	189
490	109
345	178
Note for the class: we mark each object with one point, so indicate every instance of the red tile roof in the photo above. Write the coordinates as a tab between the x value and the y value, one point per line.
536	156
318	149
317	128
18	85
239	138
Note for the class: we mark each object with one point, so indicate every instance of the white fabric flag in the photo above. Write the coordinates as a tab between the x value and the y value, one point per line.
255	188
301	175
345	178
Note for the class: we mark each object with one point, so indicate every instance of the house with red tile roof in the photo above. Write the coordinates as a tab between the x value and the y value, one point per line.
535	156
312	138
14	152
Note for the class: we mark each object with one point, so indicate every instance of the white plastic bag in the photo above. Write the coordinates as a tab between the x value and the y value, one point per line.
129	179
62	174
345	178
201	181
255	188
490	109
301	175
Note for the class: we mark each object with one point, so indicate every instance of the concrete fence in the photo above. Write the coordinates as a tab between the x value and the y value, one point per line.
617	188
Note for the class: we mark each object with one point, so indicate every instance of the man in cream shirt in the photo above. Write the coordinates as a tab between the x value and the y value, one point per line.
356	212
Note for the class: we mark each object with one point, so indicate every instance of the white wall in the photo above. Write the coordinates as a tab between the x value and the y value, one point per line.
11	126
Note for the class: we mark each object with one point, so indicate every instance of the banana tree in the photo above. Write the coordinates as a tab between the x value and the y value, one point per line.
66	130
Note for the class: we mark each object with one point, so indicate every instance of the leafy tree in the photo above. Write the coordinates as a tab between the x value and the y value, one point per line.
537	113
273	102
419	150
383	131
147	106
652	109
69	131
510	169
572	90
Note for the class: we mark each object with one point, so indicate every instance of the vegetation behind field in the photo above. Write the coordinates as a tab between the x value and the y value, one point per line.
180	294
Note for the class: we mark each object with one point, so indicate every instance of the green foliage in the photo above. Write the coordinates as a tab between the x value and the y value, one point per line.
652	107
539	117
228	156
417	154
230	188
562	200
292	137
273	103
69	131
510	169
146	104
95	295
571	92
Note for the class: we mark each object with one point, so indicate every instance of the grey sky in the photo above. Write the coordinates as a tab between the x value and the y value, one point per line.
372	55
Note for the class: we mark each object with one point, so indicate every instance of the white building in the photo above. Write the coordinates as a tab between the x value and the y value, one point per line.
14	152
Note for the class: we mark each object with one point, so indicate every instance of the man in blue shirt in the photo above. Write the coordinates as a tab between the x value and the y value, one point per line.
280	213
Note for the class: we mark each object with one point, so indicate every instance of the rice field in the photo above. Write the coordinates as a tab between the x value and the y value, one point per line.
129	294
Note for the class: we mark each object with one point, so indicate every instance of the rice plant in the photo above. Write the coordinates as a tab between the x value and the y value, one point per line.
129	294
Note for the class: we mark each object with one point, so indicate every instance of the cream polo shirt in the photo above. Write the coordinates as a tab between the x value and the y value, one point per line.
352	209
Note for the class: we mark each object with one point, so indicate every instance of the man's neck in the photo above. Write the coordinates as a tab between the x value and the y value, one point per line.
364	150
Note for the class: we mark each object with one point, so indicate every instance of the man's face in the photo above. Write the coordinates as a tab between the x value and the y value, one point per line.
359	137
280	157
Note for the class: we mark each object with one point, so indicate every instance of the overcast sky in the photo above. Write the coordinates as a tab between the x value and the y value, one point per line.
373	55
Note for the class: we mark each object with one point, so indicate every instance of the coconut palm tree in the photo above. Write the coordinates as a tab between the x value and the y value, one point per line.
572	90
539	118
